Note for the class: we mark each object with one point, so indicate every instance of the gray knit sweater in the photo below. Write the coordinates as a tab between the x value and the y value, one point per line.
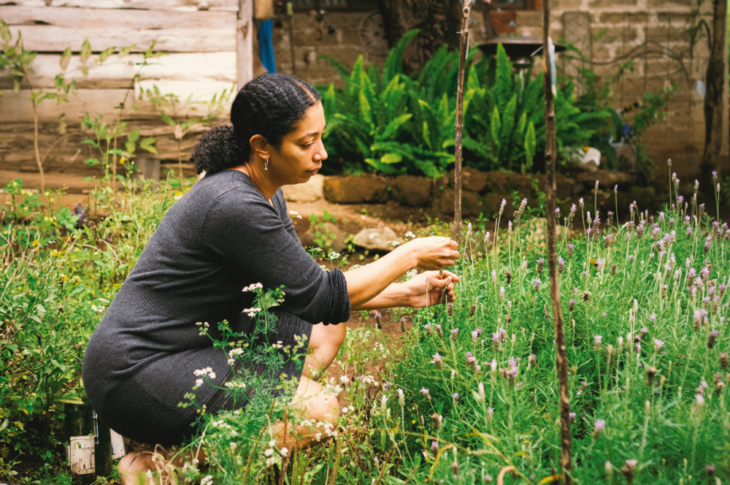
218	238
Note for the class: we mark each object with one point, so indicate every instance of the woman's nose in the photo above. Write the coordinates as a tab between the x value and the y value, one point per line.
321	153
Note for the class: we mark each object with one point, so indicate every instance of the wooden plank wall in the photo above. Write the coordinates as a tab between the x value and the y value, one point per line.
198	37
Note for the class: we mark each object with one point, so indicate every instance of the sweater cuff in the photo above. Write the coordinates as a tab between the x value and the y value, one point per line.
339	304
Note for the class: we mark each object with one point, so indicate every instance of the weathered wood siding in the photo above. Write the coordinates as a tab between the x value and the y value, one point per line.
199	61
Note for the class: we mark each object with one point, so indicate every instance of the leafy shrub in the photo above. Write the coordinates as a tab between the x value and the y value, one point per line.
388	122
379	123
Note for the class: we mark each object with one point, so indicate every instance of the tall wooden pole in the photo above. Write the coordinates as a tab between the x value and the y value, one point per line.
466	11
244	43
550	155
715	110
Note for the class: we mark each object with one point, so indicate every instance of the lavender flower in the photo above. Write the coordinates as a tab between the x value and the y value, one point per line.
508	276
598	428
537	284
571	248
450	309
454	333
439	331
501	293
475	334
495	341
540	265
561	264
597	339
437	360
711	339
724	360
652	317
532	360
378	320
572	417
571	305
658	344
426	393
436	419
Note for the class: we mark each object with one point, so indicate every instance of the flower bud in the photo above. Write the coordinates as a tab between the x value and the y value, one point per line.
436	419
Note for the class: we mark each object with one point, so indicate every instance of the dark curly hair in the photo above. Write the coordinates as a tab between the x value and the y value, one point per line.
270	106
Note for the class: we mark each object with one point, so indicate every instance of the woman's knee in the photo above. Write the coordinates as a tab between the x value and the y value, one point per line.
328	336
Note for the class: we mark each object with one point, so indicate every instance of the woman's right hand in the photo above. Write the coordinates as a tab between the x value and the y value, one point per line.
433	252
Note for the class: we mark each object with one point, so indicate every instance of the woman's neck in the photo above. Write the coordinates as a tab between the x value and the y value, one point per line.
262	182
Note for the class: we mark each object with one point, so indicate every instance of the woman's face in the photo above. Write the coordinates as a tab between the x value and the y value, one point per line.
302	151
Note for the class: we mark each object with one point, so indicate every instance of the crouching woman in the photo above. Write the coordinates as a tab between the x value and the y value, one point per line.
232	230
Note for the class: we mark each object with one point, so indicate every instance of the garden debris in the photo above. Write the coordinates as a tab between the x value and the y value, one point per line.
376	239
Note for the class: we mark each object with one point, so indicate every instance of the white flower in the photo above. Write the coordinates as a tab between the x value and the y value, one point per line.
205	372
345	409
344	380
233	445
294	214
207	480
98	309
251	312
410	235
268	452
333	255
252	287
323	267
284	451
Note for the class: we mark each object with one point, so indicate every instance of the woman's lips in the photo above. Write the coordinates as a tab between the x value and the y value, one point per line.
313	172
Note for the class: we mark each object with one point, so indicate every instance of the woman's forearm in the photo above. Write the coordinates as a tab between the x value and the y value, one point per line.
364	284
394	296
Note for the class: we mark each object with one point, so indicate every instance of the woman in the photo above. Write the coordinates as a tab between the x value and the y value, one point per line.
229	231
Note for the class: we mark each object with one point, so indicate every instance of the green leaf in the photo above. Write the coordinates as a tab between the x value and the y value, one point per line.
91	161
530	144
496	126
147	144
65	58
390	158
104	55
85	51
392	128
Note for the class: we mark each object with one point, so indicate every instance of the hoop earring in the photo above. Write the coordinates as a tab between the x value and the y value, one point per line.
266	167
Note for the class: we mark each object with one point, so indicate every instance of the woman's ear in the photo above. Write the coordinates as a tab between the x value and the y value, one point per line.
260	146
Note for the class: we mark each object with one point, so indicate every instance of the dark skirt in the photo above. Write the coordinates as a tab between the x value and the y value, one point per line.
145	407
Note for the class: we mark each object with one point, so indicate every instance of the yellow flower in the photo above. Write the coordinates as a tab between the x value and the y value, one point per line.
122	160
36	243
55	253
586	148
64	278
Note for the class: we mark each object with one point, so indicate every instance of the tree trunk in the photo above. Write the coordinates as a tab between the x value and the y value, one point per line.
434	18
715	81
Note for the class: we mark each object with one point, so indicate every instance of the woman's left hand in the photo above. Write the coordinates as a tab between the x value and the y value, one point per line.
437	286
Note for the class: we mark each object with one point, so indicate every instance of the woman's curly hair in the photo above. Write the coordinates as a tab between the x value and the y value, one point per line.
270	106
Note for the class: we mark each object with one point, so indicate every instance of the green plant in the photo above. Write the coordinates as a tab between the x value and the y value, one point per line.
323	237
379	121
176	114
505	120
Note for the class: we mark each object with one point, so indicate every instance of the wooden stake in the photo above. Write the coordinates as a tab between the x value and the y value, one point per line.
466	11
550	156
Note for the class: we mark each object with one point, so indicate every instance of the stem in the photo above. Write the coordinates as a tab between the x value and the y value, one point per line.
550	155
460	118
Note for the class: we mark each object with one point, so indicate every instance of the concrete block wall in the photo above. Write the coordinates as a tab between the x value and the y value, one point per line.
622	28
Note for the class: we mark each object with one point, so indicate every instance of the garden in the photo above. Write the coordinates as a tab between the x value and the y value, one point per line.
465	392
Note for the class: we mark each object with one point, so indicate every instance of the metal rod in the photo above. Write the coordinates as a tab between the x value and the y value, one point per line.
561	360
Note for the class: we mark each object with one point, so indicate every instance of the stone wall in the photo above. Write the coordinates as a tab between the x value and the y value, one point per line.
609	29
483	192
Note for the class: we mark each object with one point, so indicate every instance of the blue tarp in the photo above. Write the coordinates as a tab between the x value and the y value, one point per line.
266	45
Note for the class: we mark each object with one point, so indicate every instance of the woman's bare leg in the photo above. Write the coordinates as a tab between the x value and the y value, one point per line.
310	398
315	404
325	343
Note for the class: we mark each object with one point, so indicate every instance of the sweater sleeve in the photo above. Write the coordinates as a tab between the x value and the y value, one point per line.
243	229
279	197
